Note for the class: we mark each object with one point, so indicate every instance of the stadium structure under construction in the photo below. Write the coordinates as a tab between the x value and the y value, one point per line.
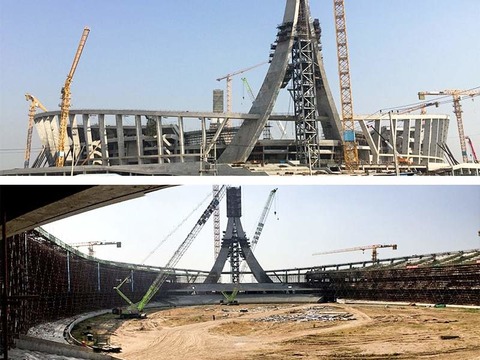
51	280
223	142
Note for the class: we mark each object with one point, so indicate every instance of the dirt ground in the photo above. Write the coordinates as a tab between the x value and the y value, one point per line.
303	331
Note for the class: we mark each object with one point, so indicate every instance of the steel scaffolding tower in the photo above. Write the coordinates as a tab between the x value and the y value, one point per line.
304	91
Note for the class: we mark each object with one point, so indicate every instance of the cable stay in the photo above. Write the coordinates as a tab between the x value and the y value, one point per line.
175	229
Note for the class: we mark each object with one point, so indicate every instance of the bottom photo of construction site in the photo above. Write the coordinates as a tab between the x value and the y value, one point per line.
240	271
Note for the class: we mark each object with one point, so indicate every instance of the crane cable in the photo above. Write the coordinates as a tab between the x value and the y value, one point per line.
176	228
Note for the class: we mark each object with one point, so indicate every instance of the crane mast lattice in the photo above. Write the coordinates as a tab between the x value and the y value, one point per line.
350	150
66	97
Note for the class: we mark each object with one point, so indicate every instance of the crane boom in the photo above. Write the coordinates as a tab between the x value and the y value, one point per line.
457	109
228	78
362	248
66	96
91	244
261	223
135	310
34	104
350	150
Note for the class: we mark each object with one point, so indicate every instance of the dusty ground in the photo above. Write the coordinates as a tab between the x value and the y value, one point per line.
364	332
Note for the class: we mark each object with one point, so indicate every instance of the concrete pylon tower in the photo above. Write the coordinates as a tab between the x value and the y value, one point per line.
235	245
296	57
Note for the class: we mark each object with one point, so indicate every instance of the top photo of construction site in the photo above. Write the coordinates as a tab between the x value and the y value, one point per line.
214	89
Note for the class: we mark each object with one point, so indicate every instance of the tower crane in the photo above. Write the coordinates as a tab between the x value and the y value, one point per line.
474	154
34	104
363	248
457	109
228	78
66	96
350	148
261	223
91	244
135	310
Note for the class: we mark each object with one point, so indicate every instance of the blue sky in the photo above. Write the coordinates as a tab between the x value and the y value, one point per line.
168	55
420	219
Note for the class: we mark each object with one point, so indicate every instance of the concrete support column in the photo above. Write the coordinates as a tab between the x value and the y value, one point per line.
203	145
88	138
120	139
442	136
406	138
181	139
138	125
434	138
159	139
103	139
75	136
427	128
417	141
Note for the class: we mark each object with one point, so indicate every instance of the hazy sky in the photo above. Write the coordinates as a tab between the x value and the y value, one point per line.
168	55
303	220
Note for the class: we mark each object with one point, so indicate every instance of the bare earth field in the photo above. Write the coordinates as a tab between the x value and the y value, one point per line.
303	331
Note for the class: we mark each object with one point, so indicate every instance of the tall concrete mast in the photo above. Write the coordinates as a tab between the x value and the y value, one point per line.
235	245
297	36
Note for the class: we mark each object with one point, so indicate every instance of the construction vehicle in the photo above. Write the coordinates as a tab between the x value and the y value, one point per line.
362	248
34	104
474	154
350	147
260	225
91	244
228	78
135	310
457	109
230	299
66	97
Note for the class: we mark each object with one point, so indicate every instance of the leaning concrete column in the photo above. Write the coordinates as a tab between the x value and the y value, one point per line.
182	139
120	139
417	141
103	138
138	125
159	138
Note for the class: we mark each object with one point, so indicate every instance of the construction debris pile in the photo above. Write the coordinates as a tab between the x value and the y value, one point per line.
315	313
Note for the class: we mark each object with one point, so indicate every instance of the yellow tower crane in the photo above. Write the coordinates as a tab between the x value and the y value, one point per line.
66	96
34	104
363	248
91	244
457	109
350	148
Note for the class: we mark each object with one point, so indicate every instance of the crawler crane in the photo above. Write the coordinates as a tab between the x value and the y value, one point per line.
66	96
135	310
34	104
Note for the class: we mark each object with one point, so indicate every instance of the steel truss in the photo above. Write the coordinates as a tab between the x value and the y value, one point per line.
304	93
